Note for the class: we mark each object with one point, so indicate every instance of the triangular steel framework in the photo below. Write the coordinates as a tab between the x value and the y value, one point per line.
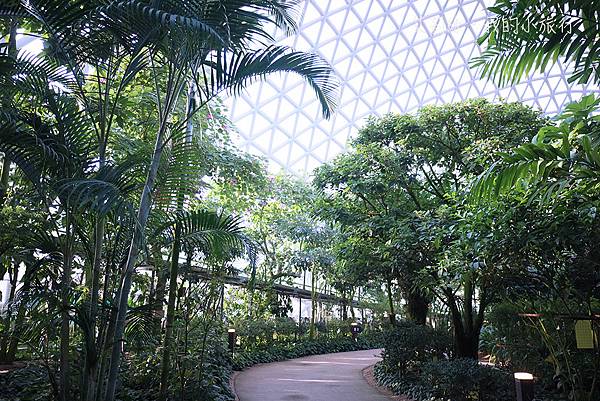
390	55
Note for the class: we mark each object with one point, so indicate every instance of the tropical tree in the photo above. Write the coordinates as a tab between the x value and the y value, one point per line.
406	180
364	193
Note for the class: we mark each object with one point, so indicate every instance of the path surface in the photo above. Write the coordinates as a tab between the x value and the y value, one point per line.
329	377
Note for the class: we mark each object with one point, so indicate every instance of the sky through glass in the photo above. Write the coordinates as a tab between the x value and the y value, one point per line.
391	56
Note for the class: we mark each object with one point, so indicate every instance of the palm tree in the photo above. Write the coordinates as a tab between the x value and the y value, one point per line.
525	36
95	49
528	36
558	158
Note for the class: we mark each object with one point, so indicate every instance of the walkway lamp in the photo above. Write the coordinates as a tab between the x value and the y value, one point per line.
354	329
231	334
524	386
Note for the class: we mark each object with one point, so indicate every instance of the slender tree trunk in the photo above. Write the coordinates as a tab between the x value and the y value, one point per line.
417	306
105	336
251	286
222	301
64	377
391	300
344	306
166	357
300	313
4	179
129	269
362	310
4	176
5	338
14	337
313	308
106	333
90	381
161	289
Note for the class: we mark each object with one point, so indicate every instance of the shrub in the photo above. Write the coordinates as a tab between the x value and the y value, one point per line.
512	342
408	345
463	380
455	380
306	347
29	383
417	363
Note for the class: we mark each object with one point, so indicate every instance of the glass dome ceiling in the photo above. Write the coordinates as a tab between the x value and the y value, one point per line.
390	55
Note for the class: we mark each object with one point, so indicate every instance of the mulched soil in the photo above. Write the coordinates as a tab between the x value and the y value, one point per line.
370	378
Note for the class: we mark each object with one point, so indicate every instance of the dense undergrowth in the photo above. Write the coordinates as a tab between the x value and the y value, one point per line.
304	348
419	362
199	375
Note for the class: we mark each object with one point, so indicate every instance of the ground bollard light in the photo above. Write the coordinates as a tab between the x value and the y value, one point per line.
524	386
231	333
354	329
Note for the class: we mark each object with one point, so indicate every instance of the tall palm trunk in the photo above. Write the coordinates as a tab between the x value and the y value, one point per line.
167	343
64	377
92	357
391	300
4	179
90	376
6	337
128	270
12	51
162	275
313	306
174	85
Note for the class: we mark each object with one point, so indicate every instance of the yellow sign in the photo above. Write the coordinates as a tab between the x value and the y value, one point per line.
584	334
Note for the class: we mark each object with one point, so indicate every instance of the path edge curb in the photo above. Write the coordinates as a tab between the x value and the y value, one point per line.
367	374
232	378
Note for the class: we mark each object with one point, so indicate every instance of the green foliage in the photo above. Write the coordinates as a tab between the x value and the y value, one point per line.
29	383
465	379
255	333
302	348
512	342
557	158
531	35
456	380
204	369
407	346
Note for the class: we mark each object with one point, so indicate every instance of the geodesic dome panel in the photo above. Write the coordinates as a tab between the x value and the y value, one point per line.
390	55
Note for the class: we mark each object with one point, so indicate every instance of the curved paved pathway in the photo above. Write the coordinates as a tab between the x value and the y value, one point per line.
329	377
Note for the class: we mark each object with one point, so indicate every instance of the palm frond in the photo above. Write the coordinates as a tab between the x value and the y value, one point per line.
180	172
210	232
555	158
140	325
531	36
232	71
59	143
143	19
107	190
29	75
